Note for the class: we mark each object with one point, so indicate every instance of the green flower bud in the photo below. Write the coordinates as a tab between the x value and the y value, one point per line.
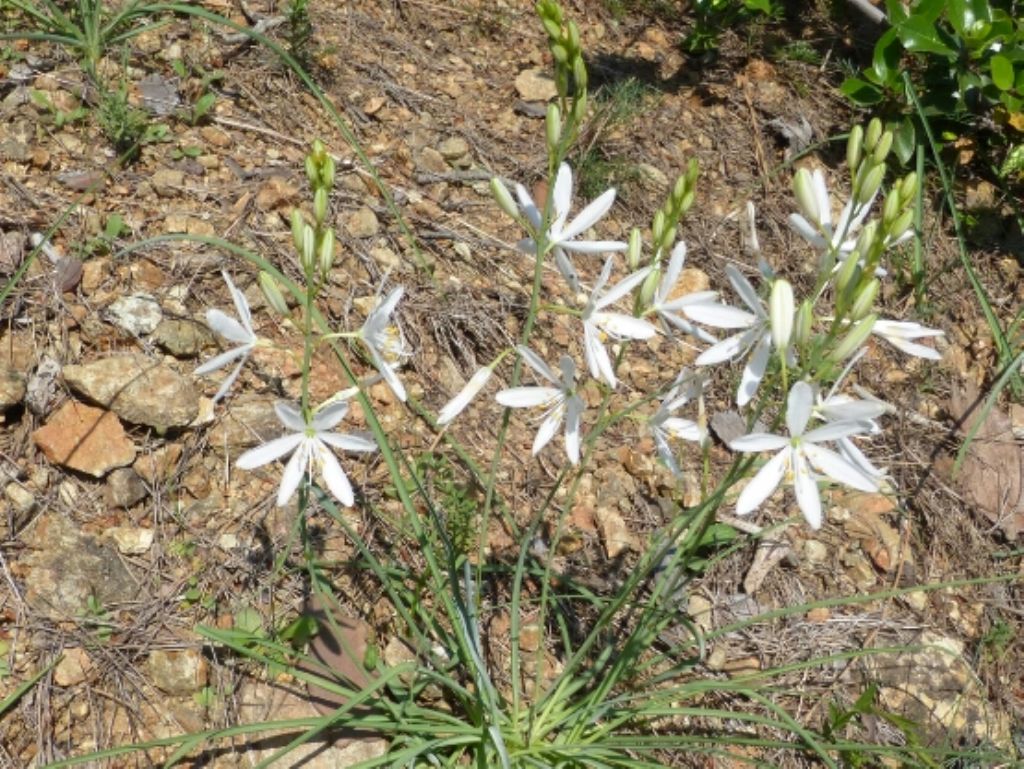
573	38
670	238
553	127
633	251
307	256
872	134
882	148
902	224
560	53
298	224
848	272
272	293
865	301
579	107
320	205
908	187
658	227
866	240
854	148
579	74
312	171
326	255
552	27
692	172
853	340
891	207
503	197
649	286
872	181
781	313
327	171
318	151
803	188
802	324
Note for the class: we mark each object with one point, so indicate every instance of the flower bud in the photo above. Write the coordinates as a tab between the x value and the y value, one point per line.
312	171
552	27
902	224
780	313
670	236
504	198
853	340
658	227
855	148
649	287
847	272
866	239
318	151
326	255
679	189
633	251
872	134
692	172
579	107
802	324
882	148
327	171
298	225
320	205
560	53
553	127
872	181
573	38
803	188
908	187
307	256
891	207
272	293
865	301
579	74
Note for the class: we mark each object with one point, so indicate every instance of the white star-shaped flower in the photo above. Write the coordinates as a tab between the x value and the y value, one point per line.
799	457
385	341
239	331
668	308
561	237
561	402
664	426
901	335
755	338
310	444
599	324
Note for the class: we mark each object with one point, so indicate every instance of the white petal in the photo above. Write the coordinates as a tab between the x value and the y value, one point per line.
835	430
849	451
665	452
745	290
806	488
804	229
230	380
330	415
527	397
347	442
594	246
597	357
290	417
335	478
606	272
913	348
829	463
622	288
387	307
759	442
456	405
534	361
623	326
903	329
719	315
548	428
761	486
222	360
839	408
388	372
565	267
686	429
799	405
562	197
574	410
241	304
269	451
529	207
675	266
590	215
671	321
293	472
227	327
695	297
822	198
527	246
753	372
725	350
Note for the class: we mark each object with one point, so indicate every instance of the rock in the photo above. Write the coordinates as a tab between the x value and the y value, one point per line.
131	540
215	136
138	314
182	338
41	390
362	223
124	488
617	537
66	567
86	439
248	420
652	176
12	251
157	466
535	85
453	148
73	668
139	390
177	672
20	497
12	388
167	182
428	160
275	192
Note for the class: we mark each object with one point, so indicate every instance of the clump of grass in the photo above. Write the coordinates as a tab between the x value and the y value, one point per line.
300	31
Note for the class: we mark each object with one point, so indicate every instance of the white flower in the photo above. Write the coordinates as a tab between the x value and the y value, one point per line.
664	426
667	308
799	456
598	324
239	331
310	442
455	406
812	195
386	342
561	236
756	336
836	407
900	334
561	402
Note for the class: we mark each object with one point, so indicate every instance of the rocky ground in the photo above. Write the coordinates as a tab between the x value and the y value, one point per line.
123	522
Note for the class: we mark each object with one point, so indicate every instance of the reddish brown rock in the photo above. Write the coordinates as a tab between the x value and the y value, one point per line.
86	439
